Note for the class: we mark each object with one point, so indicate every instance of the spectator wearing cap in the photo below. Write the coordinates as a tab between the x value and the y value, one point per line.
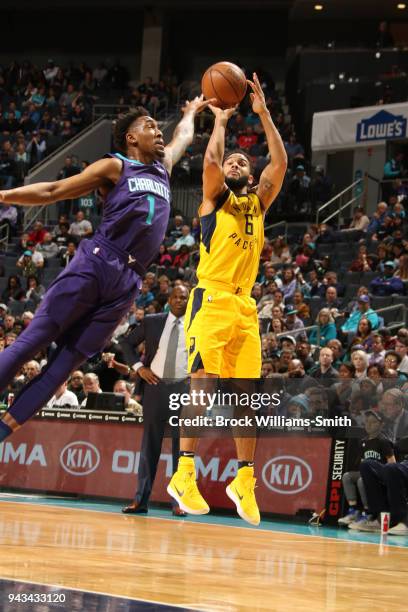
326	330
26	264
364	310
387	284
292	322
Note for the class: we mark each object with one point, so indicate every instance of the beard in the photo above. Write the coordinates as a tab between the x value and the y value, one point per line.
236	183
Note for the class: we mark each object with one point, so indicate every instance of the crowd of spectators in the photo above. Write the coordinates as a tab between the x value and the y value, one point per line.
43	107
315	324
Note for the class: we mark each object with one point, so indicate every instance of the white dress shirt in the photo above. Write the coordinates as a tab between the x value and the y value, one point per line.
68	398
157	365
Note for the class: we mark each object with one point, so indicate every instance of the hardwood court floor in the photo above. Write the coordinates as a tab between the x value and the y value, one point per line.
198	565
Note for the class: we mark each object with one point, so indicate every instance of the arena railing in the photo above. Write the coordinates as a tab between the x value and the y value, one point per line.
393	325
381	183
278	224
356	190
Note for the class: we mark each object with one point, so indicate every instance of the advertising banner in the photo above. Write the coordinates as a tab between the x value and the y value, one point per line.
102	459
359	127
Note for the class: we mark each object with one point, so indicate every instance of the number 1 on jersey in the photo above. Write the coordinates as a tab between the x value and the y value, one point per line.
150	215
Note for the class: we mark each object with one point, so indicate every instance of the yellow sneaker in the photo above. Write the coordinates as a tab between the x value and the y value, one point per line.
183	488
242	492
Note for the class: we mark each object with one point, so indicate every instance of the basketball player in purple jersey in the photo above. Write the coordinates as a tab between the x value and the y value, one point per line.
85	303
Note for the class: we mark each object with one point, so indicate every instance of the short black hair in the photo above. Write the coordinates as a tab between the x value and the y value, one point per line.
123	124
240	152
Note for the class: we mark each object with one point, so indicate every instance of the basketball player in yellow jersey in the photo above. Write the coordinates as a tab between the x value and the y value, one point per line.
222	331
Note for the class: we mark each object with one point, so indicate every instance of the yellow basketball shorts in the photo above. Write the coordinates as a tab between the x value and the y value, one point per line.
222	334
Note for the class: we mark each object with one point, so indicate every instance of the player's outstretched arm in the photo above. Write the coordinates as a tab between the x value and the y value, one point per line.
213	175
272	176
184	132
99	175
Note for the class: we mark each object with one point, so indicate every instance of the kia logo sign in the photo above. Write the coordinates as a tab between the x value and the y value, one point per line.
80	458
287	475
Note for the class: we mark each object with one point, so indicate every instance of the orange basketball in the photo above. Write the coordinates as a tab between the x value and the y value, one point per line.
226	82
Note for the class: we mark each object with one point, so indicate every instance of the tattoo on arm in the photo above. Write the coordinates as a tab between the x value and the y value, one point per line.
265	184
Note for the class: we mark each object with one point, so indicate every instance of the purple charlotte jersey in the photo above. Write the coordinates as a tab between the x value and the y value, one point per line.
88	299
136	211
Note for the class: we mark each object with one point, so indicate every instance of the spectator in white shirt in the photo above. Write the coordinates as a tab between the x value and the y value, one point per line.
63	397
186	239
81	227
360	220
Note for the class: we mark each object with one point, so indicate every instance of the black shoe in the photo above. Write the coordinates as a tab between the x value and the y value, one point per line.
178	511
134	508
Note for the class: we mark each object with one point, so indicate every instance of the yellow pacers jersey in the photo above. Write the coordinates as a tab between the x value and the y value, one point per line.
232	238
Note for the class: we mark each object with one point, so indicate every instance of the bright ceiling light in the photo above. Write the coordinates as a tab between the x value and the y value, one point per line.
401	6
319	7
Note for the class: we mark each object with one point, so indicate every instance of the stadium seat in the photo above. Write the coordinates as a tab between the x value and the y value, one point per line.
352	278
367	277
351	291
53	262
378	301
316	304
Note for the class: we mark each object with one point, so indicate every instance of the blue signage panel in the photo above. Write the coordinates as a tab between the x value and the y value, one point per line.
381	126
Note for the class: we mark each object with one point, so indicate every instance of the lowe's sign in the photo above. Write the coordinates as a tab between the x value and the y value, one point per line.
381	126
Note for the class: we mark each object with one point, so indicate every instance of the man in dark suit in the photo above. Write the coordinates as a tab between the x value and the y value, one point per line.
165	358
393	406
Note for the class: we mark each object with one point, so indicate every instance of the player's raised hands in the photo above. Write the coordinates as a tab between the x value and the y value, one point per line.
222	113
196	105
257	96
